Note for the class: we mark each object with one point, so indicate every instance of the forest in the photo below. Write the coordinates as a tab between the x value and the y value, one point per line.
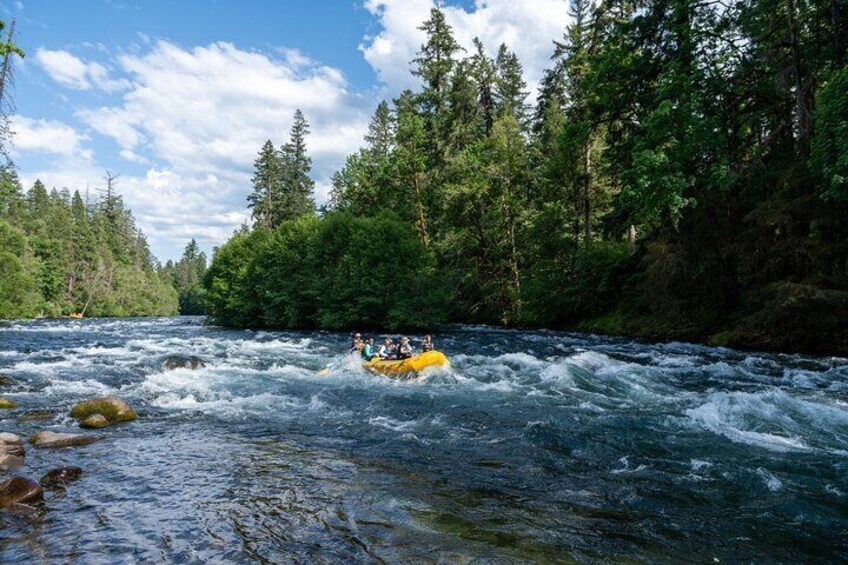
681	173
63	254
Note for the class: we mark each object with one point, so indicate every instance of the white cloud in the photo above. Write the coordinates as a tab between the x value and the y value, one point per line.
196	119
71	71
46	136
528	27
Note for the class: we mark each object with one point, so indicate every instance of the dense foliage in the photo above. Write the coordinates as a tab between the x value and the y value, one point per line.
681	174
60	256
337	272
186	275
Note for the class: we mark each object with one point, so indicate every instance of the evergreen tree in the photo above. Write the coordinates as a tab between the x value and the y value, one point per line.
295	183
266	195
511	89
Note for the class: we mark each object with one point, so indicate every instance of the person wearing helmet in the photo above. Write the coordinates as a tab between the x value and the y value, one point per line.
356	343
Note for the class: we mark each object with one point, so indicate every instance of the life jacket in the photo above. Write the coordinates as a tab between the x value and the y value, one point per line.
404	351
366	351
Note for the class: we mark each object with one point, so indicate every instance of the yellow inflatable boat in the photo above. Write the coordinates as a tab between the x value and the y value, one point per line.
413	364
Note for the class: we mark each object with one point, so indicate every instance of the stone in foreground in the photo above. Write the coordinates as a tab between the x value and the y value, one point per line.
20	490
9	462
49	439
183	362
113	409
95	421
10	439
60	476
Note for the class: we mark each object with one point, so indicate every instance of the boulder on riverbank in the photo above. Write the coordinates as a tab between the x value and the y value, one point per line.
60	476
47	439
20	490
6	403
111	410
183	362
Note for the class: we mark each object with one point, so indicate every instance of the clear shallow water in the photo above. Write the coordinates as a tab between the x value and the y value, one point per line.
536	446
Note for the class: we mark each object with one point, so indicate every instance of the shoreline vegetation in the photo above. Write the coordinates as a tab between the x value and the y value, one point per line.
680	174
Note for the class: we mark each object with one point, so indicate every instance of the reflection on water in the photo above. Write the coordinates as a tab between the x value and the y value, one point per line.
535	446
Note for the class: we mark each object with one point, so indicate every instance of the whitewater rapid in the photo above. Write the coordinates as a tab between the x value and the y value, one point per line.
533	446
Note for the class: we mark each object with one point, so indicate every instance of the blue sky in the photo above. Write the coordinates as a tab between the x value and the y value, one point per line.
177	97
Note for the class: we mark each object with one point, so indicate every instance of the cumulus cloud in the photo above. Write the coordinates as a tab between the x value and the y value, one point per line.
196	118
72	72
528	27
47	136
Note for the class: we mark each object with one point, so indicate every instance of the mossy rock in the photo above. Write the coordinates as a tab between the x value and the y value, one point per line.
6	403
113	409
7	380
95	421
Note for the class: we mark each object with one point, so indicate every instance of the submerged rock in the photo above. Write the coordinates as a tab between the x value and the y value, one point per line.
20	490
9	461
112	410
54	439
183	362
6	403
60	476
36	416
6	380
95	421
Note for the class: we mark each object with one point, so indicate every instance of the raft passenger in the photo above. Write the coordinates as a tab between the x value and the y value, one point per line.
404	350
427	344
357	343
386	349
368	349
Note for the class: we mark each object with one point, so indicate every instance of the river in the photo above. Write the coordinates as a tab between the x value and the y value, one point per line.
535	446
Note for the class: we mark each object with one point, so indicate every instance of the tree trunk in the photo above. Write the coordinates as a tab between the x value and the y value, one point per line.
587	192
803	103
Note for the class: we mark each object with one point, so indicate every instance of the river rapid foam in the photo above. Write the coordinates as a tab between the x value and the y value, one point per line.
534	446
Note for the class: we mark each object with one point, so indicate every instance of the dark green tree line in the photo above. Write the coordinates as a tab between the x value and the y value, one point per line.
680	172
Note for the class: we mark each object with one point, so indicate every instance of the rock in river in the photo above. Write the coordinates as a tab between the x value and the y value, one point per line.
183	362
9	462
7	438
6	403
60	476
112	409
95	421
54	439
20	490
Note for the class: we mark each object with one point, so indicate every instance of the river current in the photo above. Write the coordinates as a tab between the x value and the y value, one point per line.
535	446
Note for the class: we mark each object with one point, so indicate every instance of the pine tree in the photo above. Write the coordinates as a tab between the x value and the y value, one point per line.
381	132
511	89
266	186
296	186
483	71
435	64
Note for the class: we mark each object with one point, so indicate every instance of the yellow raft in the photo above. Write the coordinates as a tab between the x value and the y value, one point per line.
413	364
